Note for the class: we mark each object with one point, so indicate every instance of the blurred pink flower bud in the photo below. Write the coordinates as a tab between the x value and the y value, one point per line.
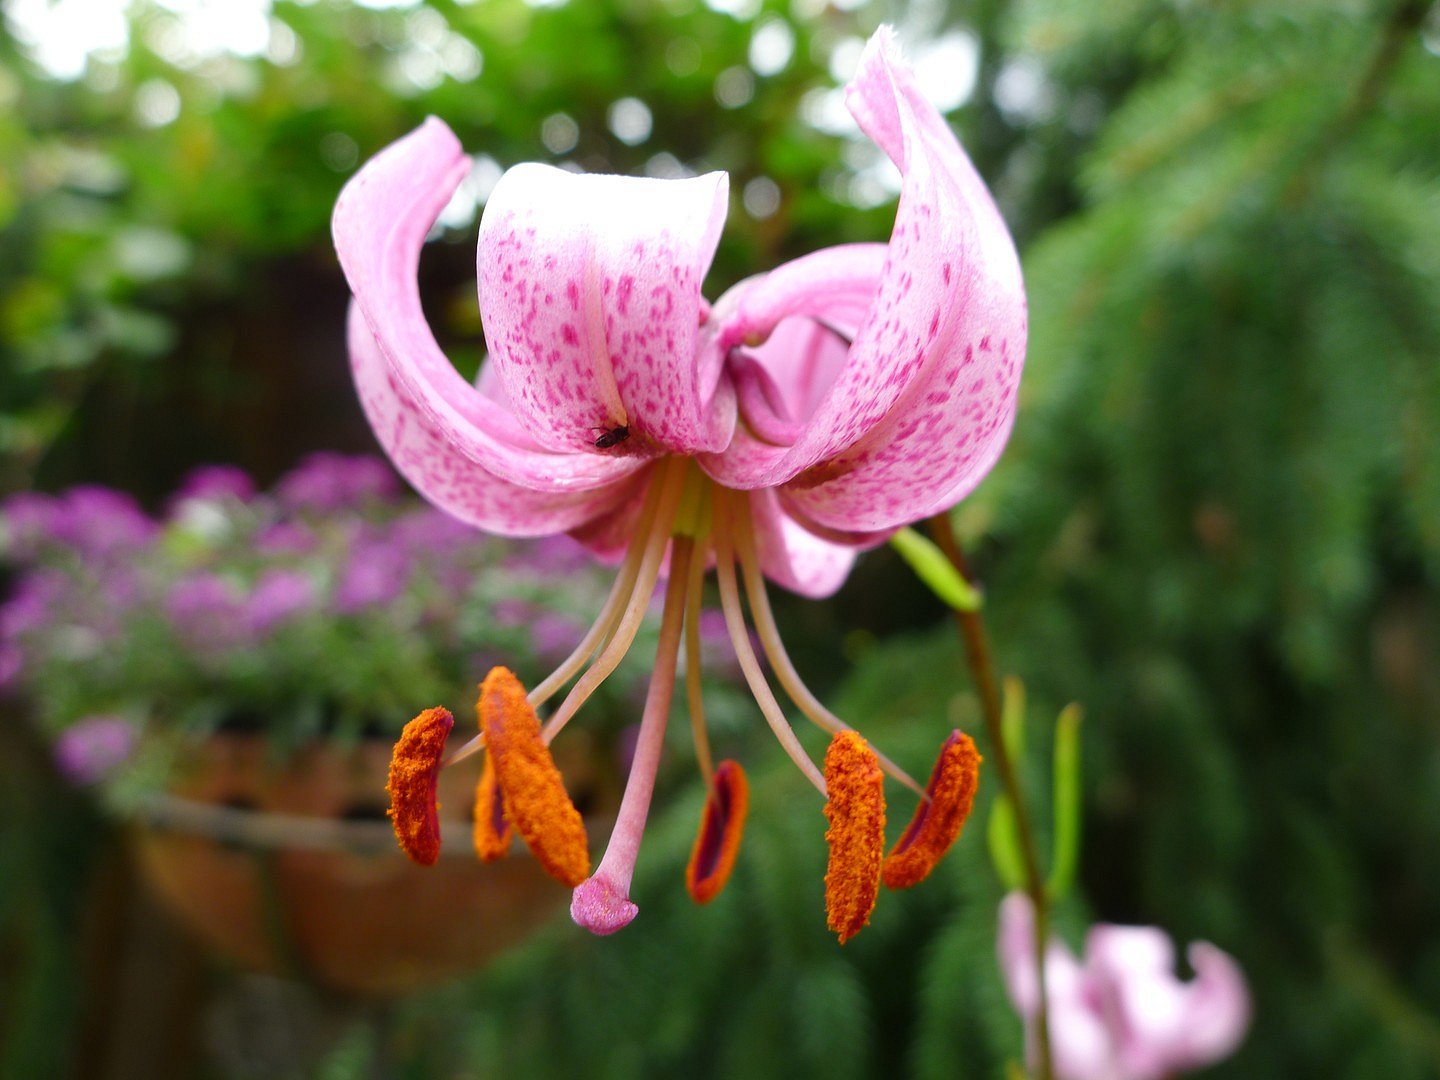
1122	1013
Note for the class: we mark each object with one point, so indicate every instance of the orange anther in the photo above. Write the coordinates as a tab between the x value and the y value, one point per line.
535	802
855	808
718	841
492	829
414	769
937	822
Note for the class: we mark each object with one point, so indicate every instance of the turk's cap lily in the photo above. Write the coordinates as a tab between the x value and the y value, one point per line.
808	414
1121	1012
866	386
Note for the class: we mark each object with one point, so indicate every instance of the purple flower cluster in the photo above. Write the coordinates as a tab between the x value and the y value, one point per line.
132	611
327	482
91	749
207	610
93	521
376	573
279	597
212	483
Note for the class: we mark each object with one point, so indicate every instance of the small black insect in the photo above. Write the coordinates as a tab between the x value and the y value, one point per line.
612	436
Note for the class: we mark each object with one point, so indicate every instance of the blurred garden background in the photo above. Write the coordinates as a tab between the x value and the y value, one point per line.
1217	526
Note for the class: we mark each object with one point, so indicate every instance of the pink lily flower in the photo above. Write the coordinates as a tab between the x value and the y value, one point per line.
808	414
1123	1014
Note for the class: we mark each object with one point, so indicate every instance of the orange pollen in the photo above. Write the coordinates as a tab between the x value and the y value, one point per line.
718	841
855	808
938	822
414	770
535	802
492	828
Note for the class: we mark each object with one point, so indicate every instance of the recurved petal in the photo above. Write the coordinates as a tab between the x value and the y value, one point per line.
953	293
787	335
419	443
792	556
1217	1010
590	294
380	223
926	397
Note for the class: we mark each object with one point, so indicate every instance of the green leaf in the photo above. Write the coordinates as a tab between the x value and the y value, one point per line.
935	570
1066	853
1004	841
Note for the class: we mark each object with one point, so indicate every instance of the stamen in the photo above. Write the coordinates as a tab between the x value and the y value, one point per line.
609	615
493	833
602	903
740	638
535	802
856	812
770	640
718	841
671	481
937	823
604	625
693	692
414	770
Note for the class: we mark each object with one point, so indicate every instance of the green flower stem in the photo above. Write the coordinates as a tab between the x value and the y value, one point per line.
982	666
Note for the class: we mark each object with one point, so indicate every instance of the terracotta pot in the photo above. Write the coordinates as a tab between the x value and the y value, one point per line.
294	870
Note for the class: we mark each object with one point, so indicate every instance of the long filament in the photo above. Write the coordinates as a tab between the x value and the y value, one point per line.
805	700
609	615
672	484
605	623
739	636
693	691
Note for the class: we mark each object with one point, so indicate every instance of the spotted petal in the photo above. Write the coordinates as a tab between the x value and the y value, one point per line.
417	443
590	295
926	398
380	224
793	557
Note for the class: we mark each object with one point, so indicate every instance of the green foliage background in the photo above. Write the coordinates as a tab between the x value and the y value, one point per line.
1217	526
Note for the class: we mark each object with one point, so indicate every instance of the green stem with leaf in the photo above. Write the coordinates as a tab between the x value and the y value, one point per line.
982	665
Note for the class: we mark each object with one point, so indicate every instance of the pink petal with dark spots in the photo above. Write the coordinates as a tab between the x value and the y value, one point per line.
379	226
926	398
590	294
454	482
795	558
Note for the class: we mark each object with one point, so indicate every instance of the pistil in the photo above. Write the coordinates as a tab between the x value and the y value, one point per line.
602	903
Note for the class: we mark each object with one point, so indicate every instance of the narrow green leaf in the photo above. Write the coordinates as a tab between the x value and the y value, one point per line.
935	570
1066	854
1004	842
